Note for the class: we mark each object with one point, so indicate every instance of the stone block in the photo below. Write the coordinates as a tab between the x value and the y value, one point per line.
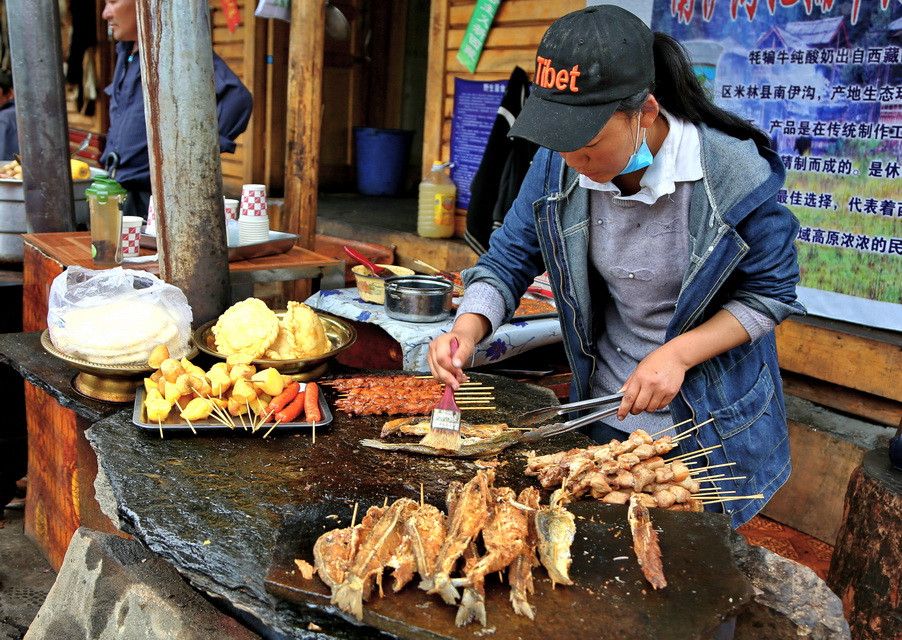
109	588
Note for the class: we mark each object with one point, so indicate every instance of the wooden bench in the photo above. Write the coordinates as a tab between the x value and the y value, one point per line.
91	154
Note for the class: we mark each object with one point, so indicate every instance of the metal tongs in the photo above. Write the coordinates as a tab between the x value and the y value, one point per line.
553	429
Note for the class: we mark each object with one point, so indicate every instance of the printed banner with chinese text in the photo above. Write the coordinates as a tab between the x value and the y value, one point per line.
824	80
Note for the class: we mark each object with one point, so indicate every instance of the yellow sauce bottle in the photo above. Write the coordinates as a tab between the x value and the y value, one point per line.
435	211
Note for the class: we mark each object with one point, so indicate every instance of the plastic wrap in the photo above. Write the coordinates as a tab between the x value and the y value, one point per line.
117	316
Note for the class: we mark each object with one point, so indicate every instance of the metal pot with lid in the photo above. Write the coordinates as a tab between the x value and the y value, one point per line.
418	298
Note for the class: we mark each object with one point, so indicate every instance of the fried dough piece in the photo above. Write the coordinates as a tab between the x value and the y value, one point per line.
301	335
247	327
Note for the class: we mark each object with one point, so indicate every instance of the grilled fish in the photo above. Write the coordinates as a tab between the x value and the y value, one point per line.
467	516
372	556
470	448
418	426
645	543
334	550
519	576
504	536
556	529
426	530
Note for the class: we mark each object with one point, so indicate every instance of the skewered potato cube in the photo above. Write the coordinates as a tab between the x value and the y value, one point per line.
149	383
157	407
236	408
238	358
244	391
197	409
259	404
171	392
270	381
200	385
241	371
191	368
158	355
219	382
171	369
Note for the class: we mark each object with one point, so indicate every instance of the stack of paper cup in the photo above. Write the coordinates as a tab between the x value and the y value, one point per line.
131	236
253	221
151	228
231	208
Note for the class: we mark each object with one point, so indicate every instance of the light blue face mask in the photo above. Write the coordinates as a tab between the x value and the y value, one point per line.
641	158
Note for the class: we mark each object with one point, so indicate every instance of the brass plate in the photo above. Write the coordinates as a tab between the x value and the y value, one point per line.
340	332
107	382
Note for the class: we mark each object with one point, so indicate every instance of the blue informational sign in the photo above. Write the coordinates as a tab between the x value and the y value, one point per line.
475	107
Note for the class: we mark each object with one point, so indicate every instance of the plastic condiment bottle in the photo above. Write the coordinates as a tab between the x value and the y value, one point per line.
435	212
104	197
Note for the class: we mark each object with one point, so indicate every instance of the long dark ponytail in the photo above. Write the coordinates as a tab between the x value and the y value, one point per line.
678	90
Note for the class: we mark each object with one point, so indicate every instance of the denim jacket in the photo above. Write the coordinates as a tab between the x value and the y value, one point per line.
742	248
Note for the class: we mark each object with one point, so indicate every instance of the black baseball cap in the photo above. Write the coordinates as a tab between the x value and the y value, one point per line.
588	61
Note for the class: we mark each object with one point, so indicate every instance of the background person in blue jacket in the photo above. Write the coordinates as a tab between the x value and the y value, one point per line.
9	128
125	153
655	213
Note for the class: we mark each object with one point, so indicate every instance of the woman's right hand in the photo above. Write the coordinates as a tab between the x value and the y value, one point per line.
468	330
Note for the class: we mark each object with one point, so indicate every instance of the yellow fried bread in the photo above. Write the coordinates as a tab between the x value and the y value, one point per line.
301	335
247	327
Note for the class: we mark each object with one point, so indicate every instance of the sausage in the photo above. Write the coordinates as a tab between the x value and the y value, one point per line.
280	401
293	410
311	403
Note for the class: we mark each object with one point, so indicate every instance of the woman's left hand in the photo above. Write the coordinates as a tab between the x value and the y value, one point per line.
653	384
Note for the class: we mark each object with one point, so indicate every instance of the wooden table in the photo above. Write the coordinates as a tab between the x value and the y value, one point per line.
46	255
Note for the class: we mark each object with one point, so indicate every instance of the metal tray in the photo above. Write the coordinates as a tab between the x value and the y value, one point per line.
278	242
176	423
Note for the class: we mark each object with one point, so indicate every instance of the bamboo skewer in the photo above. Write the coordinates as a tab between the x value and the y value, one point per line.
687	432
655	435
713	466
354	515
715	501
275	424
700	452
719	478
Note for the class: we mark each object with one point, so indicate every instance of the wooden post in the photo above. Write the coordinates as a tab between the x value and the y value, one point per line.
183	141
304	120
34	37
864	571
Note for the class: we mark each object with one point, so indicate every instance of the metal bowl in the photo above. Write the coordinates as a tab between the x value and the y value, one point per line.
418	298
341	336
107	382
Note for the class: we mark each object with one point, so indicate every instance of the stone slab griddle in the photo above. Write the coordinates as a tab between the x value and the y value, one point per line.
610	598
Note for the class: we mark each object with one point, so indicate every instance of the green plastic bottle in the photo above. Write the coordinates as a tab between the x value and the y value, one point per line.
435	211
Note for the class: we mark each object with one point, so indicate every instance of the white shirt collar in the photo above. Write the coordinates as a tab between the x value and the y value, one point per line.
678	160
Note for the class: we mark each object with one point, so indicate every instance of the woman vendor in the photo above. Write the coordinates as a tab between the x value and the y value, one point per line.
655	214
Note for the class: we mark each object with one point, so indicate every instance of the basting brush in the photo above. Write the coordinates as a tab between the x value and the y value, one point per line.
444	427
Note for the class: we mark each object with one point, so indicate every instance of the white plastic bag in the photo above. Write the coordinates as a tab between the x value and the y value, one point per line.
117	316
280	9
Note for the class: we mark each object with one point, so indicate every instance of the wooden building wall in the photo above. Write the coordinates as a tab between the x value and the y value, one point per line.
512	42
